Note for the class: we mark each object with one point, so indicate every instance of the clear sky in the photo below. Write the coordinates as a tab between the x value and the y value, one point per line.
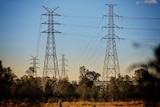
81	23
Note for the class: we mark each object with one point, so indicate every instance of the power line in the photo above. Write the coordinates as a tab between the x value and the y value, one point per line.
94	52
141	18
153	29
143	39
90	44
98	37
90	17
86	26
79	35
122	17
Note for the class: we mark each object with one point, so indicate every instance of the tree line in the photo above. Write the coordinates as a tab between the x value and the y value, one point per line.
143	85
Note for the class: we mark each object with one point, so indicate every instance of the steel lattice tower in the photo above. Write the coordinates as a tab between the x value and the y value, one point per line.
50	62
34	66
63	69
111	64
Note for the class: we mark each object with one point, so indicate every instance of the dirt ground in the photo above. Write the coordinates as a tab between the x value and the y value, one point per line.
88	104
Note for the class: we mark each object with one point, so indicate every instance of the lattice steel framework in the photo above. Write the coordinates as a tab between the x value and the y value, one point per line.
63	69
50	62
111	64
34	66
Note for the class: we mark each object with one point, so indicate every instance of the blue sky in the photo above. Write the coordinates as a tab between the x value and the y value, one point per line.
81	23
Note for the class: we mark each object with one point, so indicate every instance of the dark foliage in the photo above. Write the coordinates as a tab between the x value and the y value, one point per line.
6	78
143	85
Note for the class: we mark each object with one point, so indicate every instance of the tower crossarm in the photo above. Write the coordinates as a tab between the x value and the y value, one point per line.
50	10
51	23
50	14
114	37
47	31
112	26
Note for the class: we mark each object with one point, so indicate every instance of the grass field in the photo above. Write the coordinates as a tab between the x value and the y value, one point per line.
88	104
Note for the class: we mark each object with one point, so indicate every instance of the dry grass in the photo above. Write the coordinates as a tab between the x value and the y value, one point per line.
89	104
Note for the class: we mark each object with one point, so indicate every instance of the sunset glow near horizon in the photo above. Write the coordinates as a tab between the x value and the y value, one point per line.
82	33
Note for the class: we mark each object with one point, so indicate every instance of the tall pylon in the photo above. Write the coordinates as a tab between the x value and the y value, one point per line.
34	66
111	64
63	69
50	62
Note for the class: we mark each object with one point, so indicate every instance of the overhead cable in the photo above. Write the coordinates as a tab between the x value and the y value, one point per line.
81	16
154	29
141	18
123	17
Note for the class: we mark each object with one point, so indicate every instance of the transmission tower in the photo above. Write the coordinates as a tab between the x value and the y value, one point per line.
50	62
63	70
34	67
111	64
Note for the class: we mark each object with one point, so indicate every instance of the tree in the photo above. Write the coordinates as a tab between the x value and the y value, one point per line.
28	89
87	90
48	84
30	71
6	79
91	75
113	89
15	87
125	87
147	85
64	89
84	88
94	93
